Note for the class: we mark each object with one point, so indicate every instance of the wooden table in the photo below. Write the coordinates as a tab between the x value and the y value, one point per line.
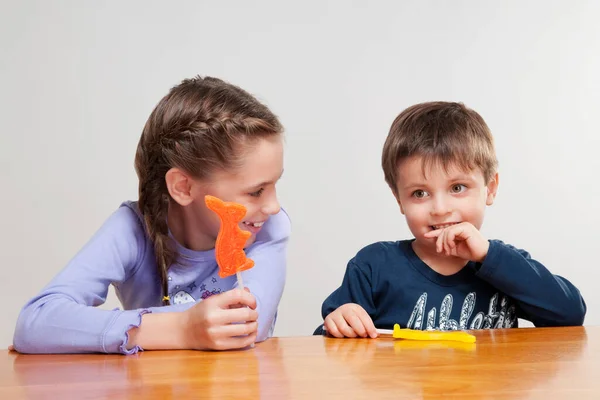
558	363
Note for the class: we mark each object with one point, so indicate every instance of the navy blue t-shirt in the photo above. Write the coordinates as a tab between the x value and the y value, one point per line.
394	285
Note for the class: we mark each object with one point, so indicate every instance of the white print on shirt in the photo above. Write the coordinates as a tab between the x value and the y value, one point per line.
182	297
185	296
503	318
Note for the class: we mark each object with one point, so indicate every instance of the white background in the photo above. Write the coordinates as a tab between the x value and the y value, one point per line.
79	78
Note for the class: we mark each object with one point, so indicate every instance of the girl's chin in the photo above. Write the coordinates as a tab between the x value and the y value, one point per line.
250	240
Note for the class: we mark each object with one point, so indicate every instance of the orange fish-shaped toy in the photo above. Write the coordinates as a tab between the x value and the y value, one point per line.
229	248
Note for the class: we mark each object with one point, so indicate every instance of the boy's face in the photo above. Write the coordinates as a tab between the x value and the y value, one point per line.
433	198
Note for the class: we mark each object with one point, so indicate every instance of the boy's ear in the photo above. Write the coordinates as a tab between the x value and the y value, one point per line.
399	204
179	185
492	189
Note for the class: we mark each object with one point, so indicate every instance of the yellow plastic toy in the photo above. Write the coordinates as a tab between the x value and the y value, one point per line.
414	334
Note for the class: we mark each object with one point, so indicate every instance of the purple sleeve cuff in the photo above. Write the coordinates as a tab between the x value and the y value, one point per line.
116	336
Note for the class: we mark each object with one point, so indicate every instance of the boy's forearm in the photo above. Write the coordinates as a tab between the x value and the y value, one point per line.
546	299
163	331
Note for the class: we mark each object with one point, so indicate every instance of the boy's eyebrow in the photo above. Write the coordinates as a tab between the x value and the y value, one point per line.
463	177
460	177
265	182
413	185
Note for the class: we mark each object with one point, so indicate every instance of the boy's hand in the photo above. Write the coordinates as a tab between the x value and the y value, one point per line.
461	240
350	320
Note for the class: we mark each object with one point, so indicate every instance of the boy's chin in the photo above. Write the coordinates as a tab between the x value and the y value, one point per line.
425	243
420	236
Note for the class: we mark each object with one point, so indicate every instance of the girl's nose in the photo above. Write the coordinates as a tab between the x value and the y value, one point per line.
271	206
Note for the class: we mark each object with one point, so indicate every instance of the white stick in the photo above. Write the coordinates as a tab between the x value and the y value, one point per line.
241	286
379	331
240	280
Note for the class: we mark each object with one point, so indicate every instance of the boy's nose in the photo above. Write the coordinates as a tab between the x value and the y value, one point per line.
440	206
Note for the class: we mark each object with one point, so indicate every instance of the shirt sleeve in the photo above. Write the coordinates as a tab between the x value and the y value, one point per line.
543	298
356	288
63	317
266	280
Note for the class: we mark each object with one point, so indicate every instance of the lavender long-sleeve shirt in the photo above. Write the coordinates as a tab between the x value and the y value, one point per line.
63	318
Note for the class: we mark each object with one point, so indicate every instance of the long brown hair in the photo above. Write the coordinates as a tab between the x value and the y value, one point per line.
196	127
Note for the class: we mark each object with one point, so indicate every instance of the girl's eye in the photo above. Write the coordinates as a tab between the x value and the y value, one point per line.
257	193
419	194
458	188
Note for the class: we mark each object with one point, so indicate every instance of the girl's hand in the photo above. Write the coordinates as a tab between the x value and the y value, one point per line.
223	321
461	240
350	320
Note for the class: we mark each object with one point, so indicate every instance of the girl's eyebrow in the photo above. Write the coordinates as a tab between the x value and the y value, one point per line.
265	183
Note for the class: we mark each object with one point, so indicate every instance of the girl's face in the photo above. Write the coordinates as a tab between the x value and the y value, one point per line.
251	183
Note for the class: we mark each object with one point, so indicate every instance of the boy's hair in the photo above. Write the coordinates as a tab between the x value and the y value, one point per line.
199	127
440	132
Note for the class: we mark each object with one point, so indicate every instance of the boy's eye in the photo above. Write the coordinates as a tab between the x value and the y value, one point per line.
257	193
458	188
419	194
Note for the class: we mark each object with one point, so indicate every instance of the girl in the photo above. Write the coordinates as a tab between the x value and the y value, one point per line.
205	136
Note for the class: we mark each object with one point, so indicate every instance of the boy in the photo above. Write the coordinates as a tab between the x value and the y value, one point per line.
439	160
